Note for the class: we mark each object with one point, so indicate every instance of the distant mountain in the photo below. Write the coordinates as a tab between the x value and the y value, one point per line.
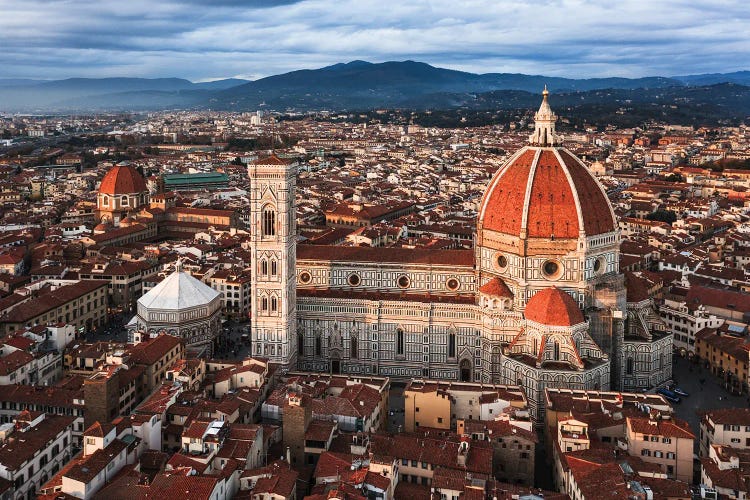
360	85
16	82
90	93
739	77
363	84
220	84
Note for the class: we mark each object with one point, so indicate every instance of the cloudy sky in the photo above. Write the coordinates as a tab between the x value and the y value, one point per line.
211	39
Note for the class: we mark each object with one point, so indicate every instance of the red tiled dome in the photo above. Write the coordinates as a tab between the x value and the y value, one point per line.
122	179
497	288
553	307
545	192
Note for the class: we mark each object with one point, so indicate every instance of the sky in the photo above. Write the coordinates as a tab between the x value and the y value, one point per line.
211	39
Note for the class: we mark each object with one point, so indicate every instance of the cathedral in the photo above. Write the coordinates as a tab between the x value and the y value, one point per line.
540	302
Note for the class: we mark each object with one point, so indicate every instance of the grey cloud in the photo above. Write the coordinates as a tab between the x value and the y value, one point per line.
200	39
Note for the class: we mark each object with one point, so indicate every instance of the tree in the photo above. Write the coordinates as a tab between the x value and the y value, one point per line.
667	216
675	178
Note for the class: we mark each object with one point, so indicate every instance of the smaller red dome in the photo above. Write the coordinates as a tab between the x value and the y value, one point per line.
122	179
553	307
497	288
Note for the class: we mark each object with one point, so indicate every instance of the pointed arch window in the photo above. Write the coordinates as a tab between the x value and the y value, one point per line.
354	348
556	351
264	304
452	345
268	220
274	268
300	344
264	267
318	345
274	304
400	342
629	366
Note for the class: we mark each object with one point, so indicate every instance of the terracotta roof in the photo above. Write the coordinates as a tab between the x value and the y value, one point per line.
458	258
668	428
637	287
554	307
496	287
272	160
122	179
540	191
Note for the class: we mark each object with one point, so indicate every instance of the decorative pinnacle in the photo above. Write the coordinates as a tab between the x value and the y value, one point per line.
544	126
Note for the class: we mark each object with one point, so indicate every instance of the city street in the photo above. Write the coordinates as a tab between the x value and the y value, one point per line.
232	347
705	389
396	407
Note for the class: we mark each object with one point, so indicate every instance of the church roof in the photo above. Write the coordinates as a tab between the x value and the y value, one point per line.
553	307
122	179
177	291
496	287
544	191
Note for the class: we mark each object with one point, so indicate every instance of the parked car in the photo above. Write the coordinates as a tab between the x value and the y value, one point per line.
680	392
670	396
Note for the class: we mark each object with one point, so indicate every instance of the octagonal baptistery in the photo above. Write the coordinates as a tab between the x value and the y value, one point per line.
183	306
546	220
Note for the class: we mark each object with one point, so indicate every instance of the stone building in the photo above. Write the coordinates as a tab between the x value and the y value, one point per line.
122	191
181	306
540	302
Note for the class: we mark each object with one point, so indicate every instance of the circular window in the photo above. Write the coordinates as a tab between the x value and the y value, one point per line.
304	277
354	279
452	284
597	265
600	265
501	261
403	281
551	269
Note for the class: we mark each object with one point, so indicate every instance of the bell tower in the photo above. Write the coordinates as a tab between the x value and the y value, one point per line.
273	246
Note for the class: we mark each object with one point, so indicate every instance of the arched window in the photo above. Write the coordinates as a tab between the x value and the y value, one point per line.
264	304
124	201
536	346
556	351
264	267
400	342
268	221
273	268
353	348
300	344
274	304
105	201
629	366
451	345
318	345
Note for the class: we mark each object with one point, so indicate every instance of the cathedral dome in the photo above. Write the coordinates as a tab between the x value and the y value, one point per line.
122	179
544	191
553	307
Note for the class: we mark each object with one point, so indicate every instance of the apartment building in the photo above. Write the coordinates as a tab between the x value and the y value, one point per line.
34	446
725	470
726	352
685	320
82	304
664	441
439	405
724	427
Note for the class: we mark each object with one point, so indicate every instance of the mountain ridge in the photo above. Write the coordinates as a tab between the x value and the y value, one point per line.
356	84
